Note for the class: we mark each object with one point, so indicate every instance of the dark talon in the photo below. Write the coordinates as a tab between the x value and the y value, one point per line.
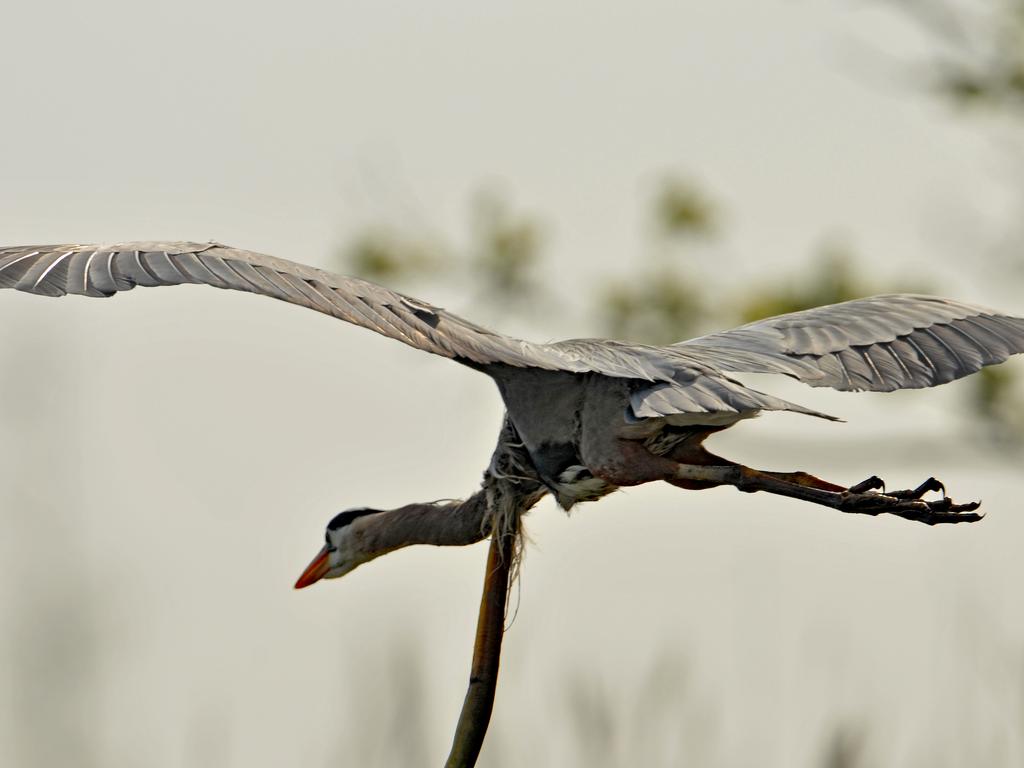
873	483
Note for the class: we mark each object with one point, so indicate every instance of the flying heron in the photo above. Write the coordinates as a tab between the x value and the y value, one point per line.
585	416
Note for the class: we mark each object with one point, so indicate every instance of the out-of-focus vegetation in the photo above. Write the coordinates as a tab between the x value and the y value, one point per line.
501	262
661	300
383	254
978	51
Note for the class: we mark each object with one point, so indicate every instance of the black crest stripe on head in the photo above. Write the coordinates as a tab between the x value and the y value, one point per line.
342	519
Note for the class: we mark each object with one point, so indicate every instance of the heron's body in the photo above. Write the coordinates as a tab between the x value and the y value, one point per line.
558	415
596	414
577	429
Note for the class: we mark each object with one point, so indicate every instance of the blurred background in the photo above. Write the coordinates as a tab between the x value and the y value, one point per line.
168	459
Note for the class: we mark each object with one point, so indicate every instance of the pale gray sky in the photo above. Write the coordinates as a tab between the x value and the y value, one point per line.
286	128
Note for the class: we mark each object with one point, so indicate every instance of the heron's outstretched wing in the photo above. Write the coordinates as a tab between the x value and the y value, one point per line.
102	270
880	344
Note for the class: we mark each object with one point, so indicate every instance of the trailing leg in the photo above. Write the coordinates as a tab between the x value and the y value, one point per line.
861	498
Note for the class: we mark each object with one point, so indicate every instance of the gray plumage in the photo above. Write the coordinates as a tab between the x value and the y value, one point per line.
881	343
591	415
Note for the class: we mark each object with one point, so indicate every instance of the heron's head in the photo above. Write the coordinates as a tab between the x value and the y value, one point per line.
341	552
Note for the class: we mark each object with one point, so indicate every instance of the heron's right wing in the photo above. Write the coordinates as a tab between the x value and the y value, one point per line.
881	343
103	270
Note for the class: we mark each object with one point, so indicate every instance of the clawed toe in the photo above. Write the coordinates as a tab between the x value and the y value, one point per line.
945	511
946	505
862	499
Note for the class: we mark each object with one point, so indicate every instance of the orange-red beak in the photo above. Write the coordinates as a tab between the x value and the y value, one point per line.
315	570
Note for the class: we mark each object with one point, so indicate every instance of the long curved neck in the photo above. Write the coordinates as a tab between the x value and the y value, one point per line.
443	524
510	488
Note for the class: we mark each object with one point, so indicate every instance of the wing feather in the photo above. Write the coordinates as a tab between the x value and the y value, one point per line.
881	343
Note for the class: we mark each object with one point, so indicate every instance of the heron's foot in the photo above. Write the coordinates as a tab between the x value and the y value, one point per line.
862	499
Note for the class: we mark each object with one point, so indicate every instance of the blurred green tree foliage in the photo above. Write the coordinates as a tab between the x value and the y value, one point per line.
384	255
978	50
501	261
660	301
506	250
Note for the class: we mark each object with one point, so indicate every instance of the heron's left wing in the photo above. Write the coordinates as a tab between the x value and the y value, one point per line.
881	343
103	270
